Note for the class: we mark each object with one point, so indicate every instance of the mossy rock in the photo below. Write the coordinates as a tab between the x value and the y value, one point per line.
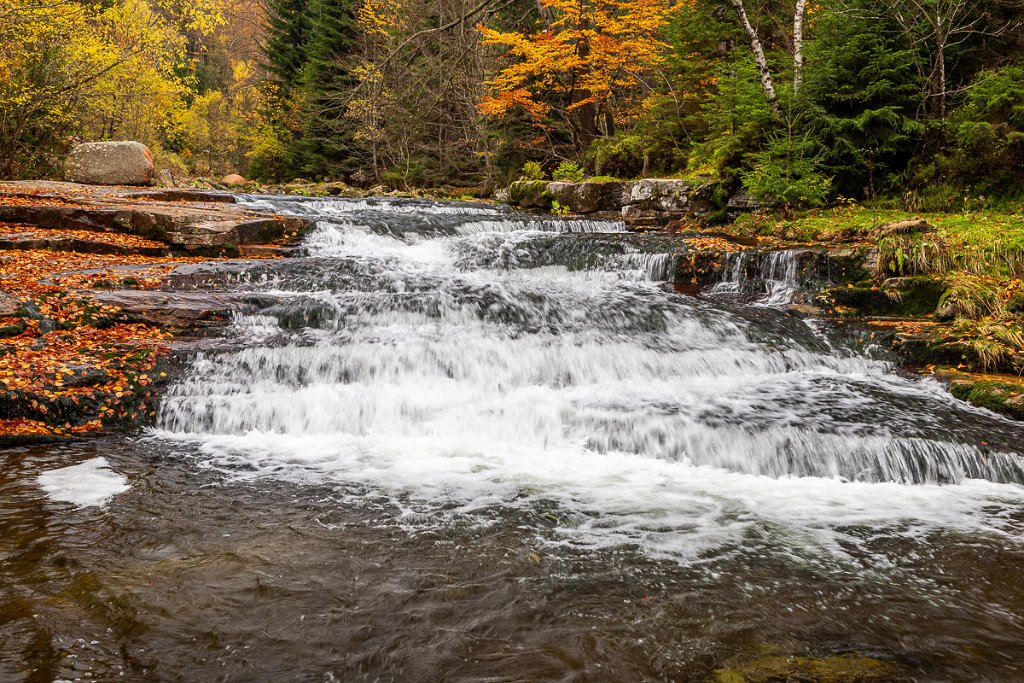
530	194
12	330
950	351
837	669
1000	397
904	297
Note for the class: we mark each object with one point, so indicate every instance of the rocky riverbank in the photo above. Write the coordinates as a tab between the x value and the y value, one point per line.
89	318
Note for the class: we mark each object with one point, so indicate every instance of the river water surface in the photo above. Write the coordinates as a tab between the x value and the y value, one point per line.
461	444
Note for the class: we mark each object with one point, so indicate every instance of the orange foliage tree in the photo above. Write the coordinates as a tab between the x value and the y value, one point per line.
589	65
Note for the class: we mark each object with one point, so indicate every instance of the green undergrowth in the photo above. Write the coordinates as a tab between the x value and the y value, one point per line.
981	242
955	280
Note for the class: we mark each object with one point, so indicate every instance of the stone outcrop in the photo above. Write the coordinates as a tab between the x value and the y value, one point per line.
111	163
178	311
640	203
214	227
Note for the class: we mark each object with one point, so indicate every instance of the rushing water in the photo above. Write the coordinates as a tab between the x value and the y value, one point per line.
460	443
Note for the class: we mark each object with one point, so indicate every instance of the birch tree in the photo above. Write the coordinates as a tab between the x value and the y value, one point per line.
937	27
798	44
757	47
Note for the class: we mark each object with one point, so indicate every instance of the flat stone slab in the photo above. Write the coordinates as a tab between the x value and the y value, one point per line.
179	310
16	242
177	194
211	225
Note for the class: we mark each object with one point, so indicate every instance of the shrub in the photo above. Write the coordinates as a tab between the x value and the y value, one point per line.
532	170
568	171
786	174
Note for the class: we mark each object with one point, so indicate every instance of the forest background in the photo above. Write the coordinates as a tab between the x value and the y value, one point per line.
803	103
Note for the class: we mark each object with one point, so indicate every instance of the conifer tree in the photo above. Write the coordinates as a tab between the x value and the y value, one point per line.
285	45
324	147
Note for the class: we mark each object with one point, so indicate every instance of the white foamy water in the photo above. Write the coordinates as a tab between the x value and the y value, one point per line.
777	277
87	484
445	372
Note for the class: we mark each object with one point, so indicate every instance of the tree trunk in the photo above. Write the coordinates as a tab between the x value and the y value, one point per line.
762	62
798	45
940	59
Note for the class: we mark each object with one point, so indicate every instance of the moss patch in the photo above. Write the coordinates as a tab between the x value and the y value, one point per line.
896	297
530	194
1001	396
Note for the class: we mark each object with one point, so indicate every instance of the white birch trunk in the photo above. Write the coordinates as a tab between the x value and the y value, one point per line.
762	62
798	45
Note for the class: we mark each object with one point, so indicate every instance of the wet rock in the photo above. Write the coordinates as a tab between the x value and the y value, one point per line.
177	310
110	163
588	197
297	314
177	194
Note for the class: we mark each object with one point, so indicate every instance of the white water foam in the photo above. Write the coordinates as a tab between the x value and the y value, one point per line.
648	418
87	484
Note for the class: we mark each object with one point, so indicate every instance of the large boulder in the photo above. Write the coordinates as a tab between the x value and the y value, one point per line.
588	197
110	163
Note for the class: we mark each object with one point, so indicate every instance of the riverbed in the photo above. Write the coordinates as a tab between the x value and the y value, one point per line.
460	443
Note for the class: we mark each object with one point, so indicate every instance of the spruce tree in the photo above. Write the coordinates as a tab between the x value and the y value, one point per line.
865	87
324	148
287	34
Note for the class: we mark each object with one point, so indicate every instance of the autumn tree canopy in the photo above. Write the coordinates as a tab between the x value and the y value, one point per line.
808	99
591	64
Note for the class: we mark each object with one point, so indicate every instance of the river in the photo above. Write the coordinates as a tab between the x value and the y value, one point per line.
462	444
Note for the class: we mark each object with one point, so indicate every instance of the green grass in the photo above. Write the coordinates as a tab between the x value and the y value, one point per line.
979	242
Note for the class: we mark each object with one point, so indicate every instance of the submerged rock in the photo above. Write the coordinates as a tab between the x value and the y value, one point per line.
845	668
111	163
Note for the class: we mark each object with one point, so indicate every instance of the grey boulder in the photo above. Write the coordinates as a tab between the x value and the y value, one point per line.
111	163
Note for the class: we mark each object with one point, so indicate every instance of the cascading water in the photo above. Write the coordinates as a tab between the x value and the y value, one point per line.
772	276
456	443
450	351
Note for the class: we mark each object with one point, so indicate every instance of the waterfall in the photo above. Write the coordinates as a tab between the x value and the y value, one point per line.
771	275
452	354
